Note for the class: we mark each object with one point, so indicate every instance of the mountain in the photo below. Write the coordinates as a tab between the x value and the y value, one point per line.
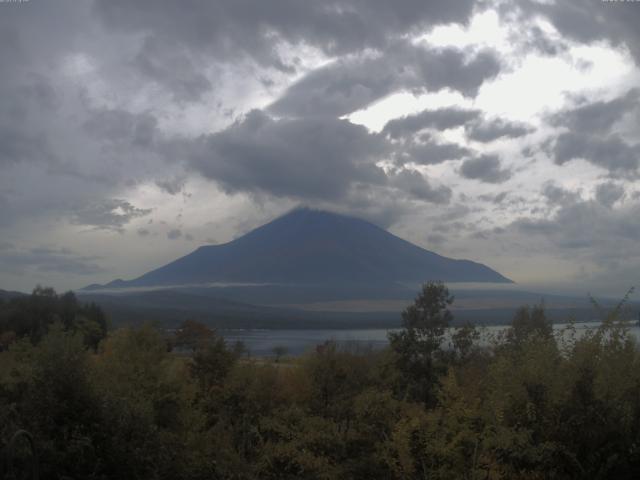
6	295
314	248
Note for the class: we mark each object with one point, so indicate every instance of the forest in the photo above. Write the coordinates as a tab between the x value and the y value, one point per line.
438	403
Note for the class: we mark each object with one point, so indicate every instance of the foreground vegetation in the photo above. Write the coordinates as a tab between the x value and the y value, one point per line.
530	405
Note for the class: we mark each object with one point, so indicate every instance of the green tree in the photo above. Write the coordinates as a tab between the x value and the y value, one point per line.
418	355
528	322
463	341
192	335
212	362
31	316
58	405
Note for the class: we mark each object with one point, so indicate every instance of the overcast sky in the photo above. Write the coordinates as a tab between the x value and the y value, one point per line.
132	132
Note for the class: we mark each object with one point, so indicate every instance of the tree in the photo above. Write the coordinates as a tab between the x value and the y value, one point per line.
212	362
463	341
32	315
193	335
417	345
530	322
279	351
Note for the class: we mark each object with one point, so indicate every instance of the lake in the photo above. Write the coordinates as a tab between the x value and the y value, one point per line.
261	342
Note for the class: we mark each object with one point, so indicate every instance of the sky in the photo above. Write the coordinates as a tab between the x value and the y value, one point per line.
503	132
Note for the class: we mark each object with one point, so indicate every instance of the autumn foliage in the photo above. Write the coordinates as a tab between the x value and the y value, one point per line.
530	403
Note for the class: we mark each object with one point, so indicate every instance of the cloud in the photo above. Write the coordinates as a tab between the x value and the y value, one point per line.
591	225
585	22
110	214
174	234
597	117
591	134
431	153
103	101
174	67
24	104
306	158
440	119
485	168
228	30
488	131
17	145
122	127
534	39
350	84
172	186
44	259
611	153
186	46
418	186
557	195
436	239
494	198
609	193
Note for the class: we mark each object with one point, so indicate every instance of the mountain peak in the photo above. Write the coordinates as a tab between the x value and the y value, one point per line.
314	247
317	216
314	213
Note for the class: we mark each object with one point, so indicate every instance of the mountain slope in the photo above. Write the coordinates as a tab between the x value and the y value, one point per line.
314	248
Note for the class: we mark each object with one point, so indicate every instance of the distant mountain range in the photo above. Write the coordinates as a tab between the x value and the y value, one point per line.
312	248
8	295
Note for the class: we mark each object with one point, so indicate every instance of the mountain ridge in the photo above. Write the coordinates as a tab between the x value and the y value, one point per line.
307	246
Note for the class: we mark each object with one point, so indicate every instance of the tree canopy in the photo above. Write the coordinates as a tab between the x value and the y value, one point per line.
439	403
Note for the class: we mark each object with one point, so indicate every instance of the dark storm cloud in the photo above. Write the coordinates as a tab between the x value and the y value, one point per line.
18	145
589	224
110	214
314	158
586	22
350	84
494	198
121	126
385	205
609	193
24	104
557	195
591	135
233	29
485	168
598	117
430	152
172	186
536	226
39	91
476	128
77	75
417	186
48	260
73	75
179	36
489	130
174	68
611	153
440	119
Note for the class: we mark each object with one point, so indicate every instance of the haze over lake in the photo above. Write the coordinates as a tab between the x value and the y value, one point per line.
262	342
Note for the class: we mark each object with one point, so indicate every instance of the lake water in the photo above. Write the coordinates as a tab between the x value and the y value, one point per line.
296	342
